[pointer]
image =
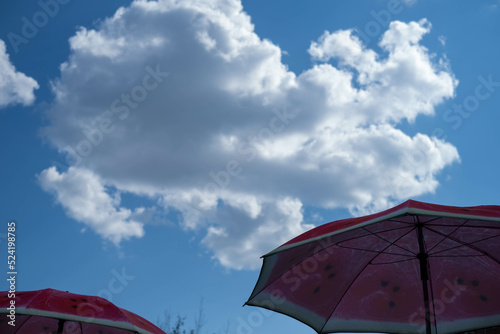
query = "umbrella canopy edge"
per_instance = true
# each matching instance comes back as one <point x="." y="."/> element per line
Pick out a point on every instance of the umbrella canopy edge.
<point x="67" y="317"/>
<point x="409" y="207"/>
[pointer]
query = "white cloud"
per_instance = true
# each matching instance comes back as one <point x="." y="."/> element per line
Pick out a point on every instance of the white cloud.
<point x="231" y="139"/>
<point x="15" y="87"/>
<point x="407" y="77"/>
<point x="442" y="40"/>
<point x="85" y="199"/>
<point x="236" y="236"/>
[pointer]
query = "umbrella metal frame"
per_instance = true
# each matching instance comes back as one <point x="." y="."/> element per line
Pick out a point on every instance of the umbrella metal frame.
<point x="409" y="208"/>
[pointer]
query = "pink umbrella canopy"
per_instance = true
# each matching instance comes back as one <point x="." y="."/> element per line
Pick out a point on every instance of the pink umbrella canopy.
<point x="415" y="268"/>
<point x="57" y="312"/>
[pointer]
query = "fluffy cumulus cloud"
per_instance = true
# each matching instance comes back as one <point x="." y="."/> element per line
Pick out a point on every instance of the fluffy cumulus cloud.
<point x="15" y="87"/>
<point x="86" y="200"/>
<point x="182" y="102"/>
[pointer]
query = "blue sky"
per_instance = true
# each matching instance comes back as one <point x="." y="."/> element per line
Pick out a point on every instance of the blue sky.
<point x="152" y="151"/>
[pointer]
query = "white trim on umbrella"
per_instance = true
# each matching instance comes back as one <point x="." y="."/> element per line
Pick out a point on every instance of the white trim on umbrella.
<point x="398" y="213"/>
<point x="68" y="317"/>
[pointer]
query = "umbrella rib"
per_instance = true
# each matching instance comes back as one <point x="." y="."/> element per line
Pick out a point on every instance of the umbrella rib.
<point x="356" y="277"/>
<point x="468" y="226"/>
<point x="393" y="220"/>
<point x="457" y="255"/>
<point x="466" y="244"/>
<point x="345" y="292"/>
<point x="411" y="223"/>
<point x="337" y="244"/>
<point x="19" y="328"/>
<point x="254" y="293"/>
<point x="388" y="230"/>
<point x="392" y="262"/>
<point x="470" y="245"/>
<point x="394" y="242"/>
<point x="445" y="237"/>
<point x="290" y="267"/>
<point x="372" y="251"/>
<point x="370" y="233"/>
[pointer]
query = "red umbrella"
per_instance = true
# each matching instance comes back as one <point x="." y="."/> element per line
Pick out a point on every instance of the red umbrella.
<point x="54" y="311"/>
<point x="414" y="268"/>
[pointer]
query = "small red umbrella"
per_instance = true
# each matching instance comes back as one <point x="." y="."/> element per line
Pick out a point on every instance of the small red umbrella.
<point x="52" y="311"/>
<point x="415" y="268"/>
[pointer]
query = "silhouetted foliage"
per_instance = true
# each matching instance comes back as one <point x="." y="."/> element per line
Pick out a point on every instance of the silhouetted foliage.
<point x="179" y="326"/>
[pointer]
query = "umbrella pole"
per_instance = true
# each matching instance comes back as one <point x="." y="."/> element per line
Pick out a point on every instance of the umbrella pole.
<point x="424" y="275"/>
<point x="427" y="310"/>
<point x="60" y="326"/>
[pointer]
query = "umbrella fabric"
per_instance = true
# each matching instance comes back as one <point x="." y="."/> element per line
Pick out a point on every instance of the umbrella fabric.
<point x="54" y="311"/>
<point x="415" y="268"/>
